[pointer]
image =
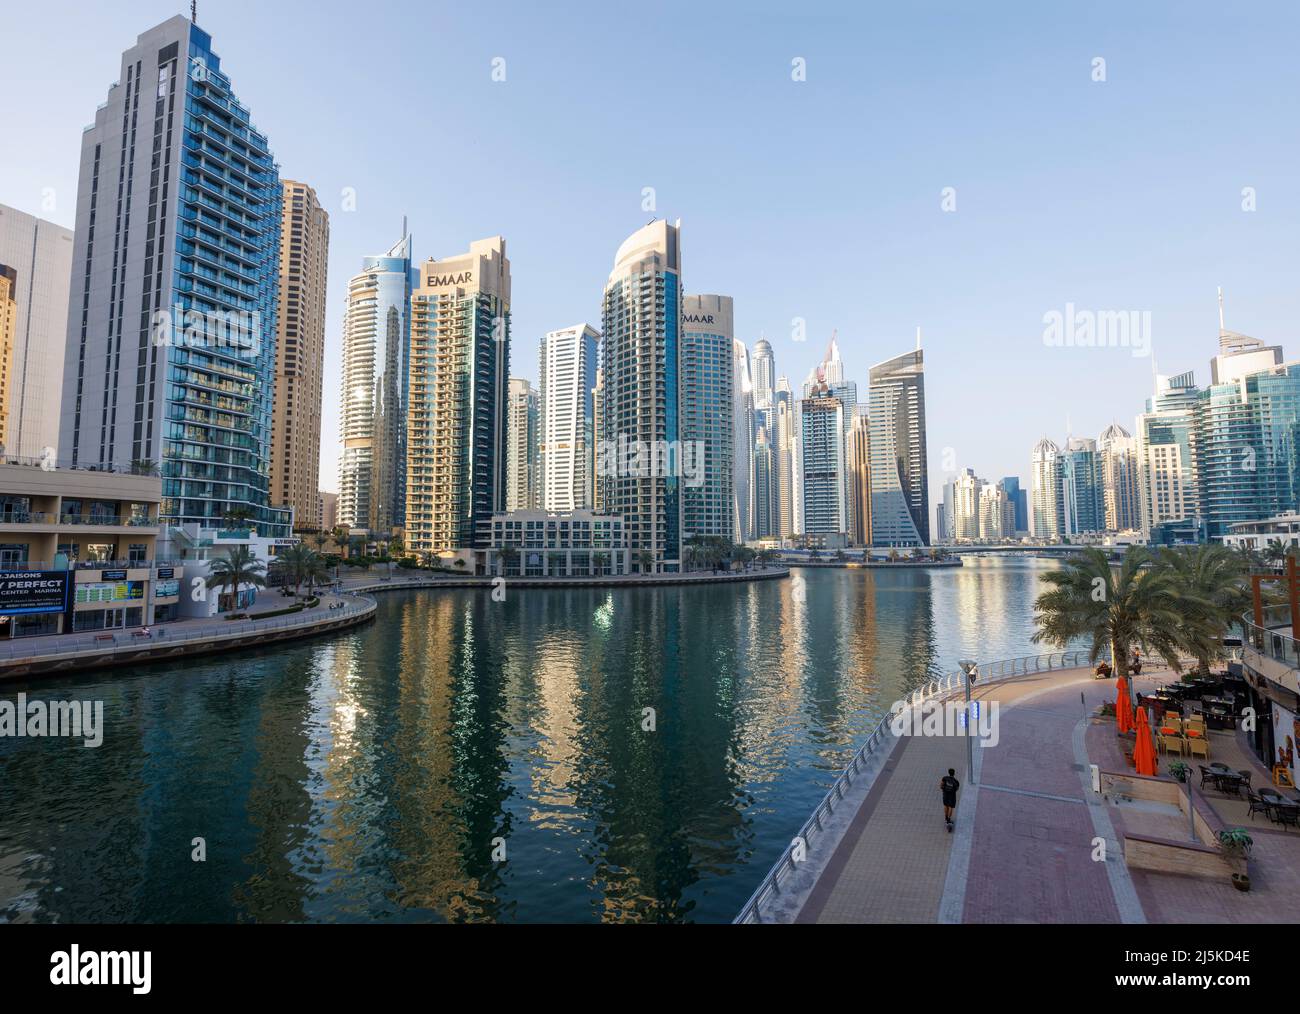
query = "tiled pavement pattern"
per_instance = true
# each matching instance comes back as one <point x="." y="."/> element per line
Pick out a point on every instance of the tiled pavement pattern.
<point x="1030" y="855"/>
<point x="1275" y="864"/>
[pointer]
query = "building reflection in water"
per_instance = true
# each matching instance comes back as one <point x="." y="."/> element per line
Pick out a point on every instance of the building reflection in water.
<point x="368" y="776"/>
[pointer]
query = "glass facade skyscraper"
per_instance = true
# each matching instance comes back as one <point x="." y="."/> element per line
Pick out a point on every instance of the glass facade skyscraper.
<point x="900" y="485"/>
<point x="1082" y="503"/>
<point x="825" y="489"/>
<point x="1248" y="448"/>
<point x="707" y="391"/>
<point x="171" y="341"/>
<point x="372" y="418"/>
<point x="641" y="317"/>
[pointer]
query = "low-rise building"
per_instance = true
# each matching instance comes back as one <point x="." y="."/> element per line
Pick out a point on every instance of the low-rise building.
<point x="79" y="552"/>
<point x="197" y="547"/>
<point x="540" y="544"/>
<point x="1257" y="535"/>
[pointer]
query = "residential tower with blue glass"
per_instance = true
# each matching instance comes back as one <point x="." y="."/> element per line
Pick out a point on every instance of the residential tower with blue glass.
<point x="707" y="391"/>
<point x="171" y="338"/>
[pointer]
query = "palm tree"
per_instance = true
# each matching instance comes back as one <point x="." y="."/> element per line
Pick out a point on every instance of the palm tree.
<point x="599" y="560"/>
<point x="1136" y="603"/>
<point x="645" y="561"/>
<point x="507" y="556"/>
<point x="314" y="570"/>
<point x="144" y="466"/>
<point x="1275" y="553"/>
<point x="1212" y="584"/>
<point x="238" y="567"/>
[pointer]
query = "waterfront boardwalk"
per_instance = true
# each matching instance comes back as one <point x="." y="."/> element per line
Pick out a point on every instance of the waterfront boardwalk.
<point x="54" y="654"/>
<point x="1022" y="849"/>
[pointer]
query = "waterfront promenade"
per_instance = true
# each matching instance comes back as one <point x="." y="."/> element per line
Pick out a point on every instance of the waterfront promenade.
<point x="1024" y="843"/>
<point x="52" y="654"/>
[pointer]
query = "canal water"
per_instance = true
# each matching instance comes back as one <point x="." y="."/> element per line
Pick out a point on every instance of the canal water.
<point x="462" y="759"/>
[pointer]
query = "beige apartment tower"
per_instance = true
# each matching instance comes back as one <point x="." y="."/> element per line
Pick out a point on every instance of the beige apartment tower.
<point x="40" y="253"/>
<point x="8" y="329"/>
<point x="457" y="419"/>
<point x="300" y="355"/>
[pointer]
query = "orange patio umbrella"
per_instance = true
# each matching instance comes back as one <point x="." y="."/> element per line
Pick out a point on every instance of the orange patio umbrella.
<point x="1144" y="751"/>
<point x="1123" y="707"/>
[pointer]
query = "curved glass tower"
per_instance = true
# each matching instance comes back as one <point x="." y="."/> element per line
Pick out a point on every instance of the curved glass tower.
<point x="900" y="489"/>
<point x="376" y="339"/>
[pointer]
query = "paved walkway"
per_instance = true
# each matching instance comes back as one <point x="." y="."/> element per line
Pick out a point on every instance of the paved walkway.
<point x="1025" y="837"/>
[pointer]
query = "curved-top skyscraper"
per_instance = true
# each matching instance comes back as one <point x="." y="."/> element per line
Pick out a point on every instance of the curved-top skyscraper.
<point x="900" y="488"/>
<point x="641" y="318"/>
<point x="372" y="420"/>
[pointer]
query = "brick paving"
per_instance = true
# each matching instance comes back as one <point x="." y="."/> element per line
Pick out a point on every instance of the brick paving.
<point x="1030" y="827"/>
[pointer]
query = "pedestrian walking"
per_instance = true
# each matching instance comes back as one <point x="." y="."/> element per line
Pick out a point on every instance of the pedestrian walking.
<point x="949" y="785"/>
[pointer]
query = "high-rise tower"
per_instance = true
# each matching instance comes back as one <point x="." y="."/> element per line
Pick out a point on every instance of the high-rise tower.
<point x="170" y="358"/>
<point x="456" y="417"/>
<point x="567" y="433"/>
<point x="640" y="407"/>
<point x="372" y="421"/>
<point x="707" y="393"/>
<point x="900" y="485"/>
<point x="300" y="355"/>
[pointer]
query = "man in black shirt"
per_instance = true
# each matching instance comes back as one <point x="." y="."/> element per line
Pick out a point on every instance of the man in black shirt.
<point x="949" y="785"/>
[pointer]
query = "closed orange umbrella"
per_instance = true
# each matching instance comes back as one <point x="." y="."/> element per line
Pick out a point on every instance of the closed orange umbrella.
<point x="1144" y="751"/>
<point x="1123" y="707"/>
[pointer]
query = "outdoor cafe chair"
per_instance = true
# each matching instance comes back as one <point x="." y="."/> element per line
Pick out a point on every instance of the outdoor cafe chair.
<point x="1198" y="747"/>
<point x="1171" y="744"/>
<point x="1258" y="804"/>
<point x="1208" y="776"/>
<point x="1287" y="814"/>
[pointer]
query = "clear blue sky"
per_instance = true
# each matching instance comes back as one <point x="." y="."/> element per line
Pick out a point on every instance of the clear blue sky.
<point x="818" y="199"/>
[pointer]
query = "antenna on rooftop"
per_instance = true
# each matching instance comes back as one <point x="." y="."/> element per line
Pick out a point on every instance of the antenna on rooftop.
<point x="918" y="337"/>
<point x="194" y="11"/>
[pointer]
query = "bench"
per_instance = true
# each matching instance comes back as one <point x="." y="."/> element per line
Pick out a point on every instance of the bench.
<point x="105" y="637"/>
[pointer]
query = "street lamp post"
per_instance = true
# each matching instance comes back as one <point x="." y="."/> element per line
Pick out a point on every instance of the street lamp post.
<point x="970" y="669"/>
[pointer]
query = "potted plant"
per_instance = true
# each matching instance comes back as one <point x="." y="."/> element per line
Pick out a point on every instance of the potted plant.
<point x="1235" y="843"/>
<point x="1179" y="771"/>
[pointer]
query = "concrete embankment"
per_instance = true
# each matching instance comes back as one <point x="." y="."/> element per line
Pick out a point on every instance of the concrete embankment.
<point x="78" y="652"/>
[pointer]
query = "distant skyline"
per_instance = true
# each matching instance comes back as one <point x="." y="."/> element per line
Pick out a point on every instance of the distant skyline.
<point x="820" y="199"/>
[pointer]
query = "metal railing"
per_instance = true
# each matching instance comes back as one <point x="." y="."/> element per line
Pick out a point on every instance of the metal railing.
<point x="1269" y="640"/>
<point x="942" y="686"/>
<point x="108" y="640"/>
<point x="128" y="564"/>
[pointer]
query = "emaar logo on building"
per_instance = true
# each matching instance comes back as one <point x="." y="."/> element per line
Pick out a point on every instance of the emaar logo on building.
<point x="697" y="318"/>
<point x="463" y="278"/>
